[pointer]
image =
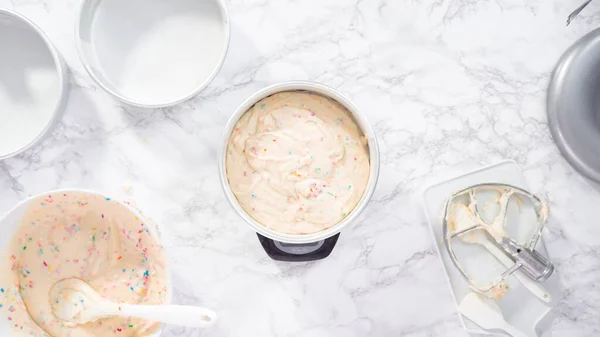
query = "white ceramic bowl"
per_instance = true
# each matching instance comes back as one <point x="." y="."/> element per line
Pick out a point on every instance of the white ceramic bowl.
<point x="9" y="223"/>
<point x="360" y="121"/>
<point x="152" y="53"/>
<point x="33" y="84"/>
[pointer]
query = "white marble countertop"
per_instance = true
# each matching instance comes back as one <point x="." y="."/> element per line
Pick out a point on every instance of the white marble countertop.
<point x="447" y="84"/>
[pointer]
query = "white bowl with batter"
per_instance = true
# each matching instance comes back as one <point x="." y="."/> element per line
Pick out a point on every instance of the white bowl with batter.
<point x="34" y="273"/>
<point x="334" y="98"/>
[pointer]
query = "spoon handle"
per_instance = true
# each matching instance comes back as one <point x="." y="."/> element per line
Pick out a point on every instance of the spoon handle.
<point x="190" y="316"/>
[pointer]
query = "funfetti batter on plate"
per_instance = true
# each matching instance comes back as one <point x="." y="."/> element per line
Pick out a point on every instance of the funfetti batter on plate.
<point x="297" y="162"/>
<point x="90" y="237"/>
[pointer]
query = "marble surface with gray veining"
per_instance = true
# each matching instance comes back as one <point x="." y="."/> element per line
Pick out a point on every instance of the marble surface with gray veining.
<point x="447" y="84"/>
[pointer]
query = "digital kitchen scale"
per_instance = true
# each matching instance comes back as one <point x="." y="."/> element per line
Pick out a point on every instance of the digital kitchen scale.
<point x="298" y="252"/>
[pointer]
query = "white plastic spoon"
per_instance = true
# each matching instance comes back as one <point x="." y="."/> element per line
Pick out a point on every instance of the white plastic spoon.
<point x="485" y="313"/>
<point x="76" y="302"/>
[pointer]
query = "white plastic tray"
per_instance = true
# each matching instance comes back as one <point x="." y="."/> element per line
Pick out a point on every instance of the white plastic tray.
<point x="520" y="308"/>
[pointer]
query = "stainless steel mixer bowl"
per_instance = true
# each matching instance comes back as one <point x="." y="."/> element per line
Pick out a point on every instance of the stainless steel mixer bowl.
<point x="358" y="118"/>
<point x="573" y="105"/>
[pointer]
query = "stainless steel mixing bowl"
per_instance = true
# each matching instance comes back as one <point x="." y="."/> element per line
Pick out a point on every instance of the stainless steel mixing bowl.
<point x="573" y="105"/>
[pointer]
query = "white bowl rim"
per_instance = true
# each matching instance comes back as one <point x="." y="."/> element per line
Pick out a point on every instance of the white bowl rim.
<point x="362" y="123"/>
<point x="61" y="71"/>
<point x="139" y="103"/>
